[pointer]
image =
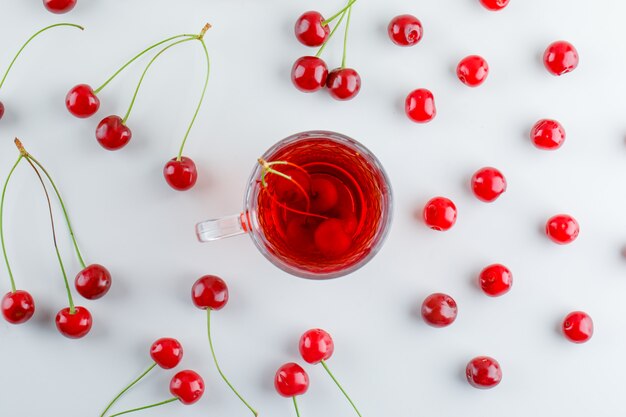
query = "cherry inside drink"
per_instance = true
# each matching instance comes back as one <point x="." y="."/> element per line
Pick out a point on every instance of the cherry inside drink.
<point x="322" y="205"/>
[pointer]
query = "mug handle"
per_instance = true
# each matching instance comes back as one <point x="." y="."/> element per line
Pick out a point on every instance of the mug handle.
<point x="216" y="229"/>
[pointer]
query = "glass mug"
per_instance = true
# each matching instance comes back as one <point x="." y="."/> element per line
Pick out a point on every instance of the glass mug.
<point x="318" y="205"/>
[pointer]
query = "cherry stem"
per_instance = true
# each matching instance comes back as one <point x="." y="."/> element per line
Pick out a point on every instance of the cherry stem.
<point x="118" y="396"/>
<point x="4" y="250"/>
<point x="145" y="407"/>
<point x="65" y="214"/>
<point x="267" y="169"/>
<point x="54" y="237"/>
<point x="336" y="15"/>
<point x="345" y="38"/>
<point x="139" y="55"/>
<point x="220" y="370"/>
<point x="332" y="32"/>
<point x="29" y="40"/>
<point x="295" y="404"/>
<point x="340" y="387"/>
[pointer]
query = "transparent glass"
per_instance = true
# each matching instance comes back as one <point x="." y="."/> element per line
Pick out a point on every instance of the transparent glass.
<point x="349" y="156"/>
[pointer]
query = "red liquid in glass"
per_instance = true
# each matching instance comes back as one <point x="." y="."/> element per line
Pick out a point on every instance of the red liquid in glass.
<point x="327" y="217"/>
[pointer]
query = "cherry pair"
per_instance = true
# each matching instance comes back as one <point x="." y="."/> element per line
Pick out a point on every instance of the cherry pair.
<point x="310" y="73"/>
<point x="59" y="6"/>
<point x="186" y="386"/>
<point x="291" y="380"/>
<point x="113" y="133"/>
<point x="92" y="282"/>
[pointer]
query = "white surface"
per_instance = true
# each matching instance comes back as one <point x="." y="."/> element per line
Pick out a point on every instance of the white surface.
<point x="389" y="360"/>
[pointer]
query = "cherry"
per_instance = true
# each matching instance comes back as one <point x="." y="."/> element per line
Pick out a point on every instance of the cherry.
<point x="488" y="184"/>
<point x="166" y="352"/>
<point x="439" y="310"/>
<point x="343" y="83"/>
<point x="82" y="102"/>
<point x="180" y="173"/>
<point x="472" y="70"/>
<point x="578" y="327"/>
<point x="547" y="134"/>
<point x="1" y="110"/>
<point x="324" y="194"/>
<point x="112" y="133"/>
<point x="483" y="372"/>
<point x="17" y="307"/>
<point x="420" y="106"/>
<point x="440" y="214"/>
<point x="93" y="282"/>
<point x="309" y="74"/>
<point x="405" y="30"/>
<point x="562" y="229"/>
<point x="310" y="29"/>
<point x="187" y="386"/>
<point x="209" y="291"/>
<point x="496" y="280"/>
<point x="74" y="325"/>
<point x="59" y="6"/>
<point x="291" y="380"/>
<point x="560" y="58"/>
<point x="494" y="5"/>
<point x="331" y="238"/>
<point x="316" y="345"/>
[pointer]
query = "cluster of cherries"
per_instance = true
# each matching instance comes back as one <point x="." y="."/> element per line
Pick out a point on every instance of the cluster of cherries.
<point x="291" y="380"/>
<point x="186" y="386"/>
<point x="59" y="6"/>
<point x="92" y="282"/>
<point x="113" y="133"/>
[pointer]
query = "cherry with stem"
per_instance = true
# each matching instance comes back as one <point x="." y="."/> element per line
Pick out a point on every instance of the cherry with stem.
<point x="19" y="52"/>
<point x="344" y="83"/>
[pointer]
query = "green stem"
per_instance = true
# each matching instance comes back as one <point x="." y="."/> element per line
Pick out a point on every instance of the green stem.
<point x="340" y="387"/>
<point x="295" y="404"/>
<point x="336" y="15"/>
<point x="218" y="366"/>
<point x="139" y="55"/>
<point x="345" y="38"/>
<point x="127" y="388"/>
<point x="29" y="40"/>
<point x="65" y="214"/>
<point x="332" y="32"/>
<point x="145" y="407"/>
<point x="54" y="237"/>
<point x="132" y="103"/>
<point x="4" y="249"/>
<point x="195" y="115"/>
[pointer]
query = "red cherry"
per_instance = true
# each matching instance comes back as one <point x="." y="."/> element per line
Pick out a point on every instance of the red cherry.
<point x="316" y="345"/>
<point x="440" y="214"/>
<point x="472" y="70"/>
<point x="547" y="134"/>
<point x="405" y="30"/>
<point x="439" y="310"/>
<point x="420" y="106"/>
<point x="496" y="280"/>
<point x="488" y="184"/>
<point x="181" y="174"/>
<point x="324" y="194"/>
<point x="560" y="58"/>
<point x="483" y="372"/>
<point x="93" y="282"/>
<point x="74" y="326"/>
<point x="578" y="327"/>
<point x="59" y="6"/>
<point x="343" y="83"/>
<point x="291" y="380"/>
<point x="562" y="229"/>
<point x="81" y="101"/>
<point x="166" y="352"/>
<point x="187" y="386"/>
<point x="309" y="29"/>
<point x="494" y="5"/>
<point x="1" y="110"/>
<point x="211" y="292"/>
<point x="17" y="307"/>
<point x="112" y="133"/>
<point x="331" y="238"/>
<point x="309" y="74"/>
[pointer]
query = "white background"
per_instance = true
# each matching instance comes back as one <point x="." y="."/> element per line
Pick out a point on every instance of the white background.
<point x="128" y="219"/>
